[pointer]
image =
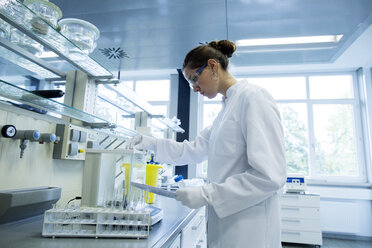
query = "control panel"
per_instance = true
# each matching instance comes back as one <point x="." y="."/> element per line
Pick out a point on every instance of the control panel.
<point x="75" y="140"/>
<point x="295" y="184"/>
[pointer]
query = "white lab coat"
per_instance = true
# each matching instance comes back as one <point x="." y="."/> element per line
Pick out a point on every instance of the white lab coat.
<point x="246" y="168"/>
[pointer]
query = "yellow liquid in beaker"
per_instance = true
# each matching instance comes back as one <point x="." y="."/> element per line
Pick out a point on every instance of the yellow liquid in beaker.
<point x="152" y="172"/>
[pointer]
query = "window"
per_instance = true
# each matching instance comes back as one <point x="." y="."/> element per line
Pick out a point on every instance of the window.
<point x="155" y="92"/>
<point x="320" y="116"/>
<point x="209" y="111"/>
<point x="295" y="126"/>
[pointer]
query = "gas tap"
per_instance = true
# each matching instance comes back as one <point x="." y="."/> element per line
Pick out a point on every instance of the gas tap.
<point x="25" y="136"/>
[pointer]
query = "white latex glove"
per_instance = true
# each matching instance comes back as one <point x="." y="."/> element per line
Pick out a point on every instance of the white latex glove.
<point x="142" y="142"/>
<point x="194" y="197"/>
<point x="133" y="141"/>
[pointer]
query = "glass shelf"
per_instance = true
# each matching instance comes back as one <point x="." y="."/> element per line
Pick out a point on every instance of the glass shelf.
<point x="174" y="125"/>
<point x="15" y="93"/>
<point x="132" y="97"/>
<point x="19" y="16"/>
<point x="135" y="99"/>
<point x="15" y="58"/>
<point x="124" y="131"/>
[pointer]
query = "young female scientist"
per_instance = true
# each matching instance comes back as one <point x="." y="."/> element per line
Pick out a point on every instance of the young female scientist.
<point x="245" y="152"/>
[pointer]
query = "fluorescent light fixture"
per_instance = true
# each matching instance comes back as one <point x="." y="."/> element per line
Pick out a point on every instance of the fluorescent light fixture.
<point x="290" y="40"/>
<point x="48" y="54"/>
<point x="284" y="49"/>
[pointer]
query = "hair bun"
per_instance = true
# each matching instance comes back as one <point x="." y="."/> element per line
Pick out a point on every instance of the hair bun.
<point x="226" y="47"/>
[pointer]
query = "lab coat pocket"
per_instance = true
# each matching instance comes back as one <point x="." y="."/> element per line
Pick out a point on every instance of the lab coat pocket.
<point x="227" y="138"/>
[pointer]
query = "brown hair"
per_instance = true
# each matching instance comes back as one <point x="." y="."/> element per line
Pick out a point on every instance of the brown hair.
<point x="218" y="50"/>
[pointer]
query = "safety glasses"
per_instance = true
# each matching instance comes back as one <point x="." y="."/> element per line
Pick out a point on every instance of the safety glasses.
<point x="193" y="81"/>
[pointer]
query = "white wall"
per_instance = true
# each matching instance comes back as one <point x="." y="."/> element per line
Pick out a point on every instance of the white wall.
<point x="37" y="167"/>
<point x="345" y="210"/>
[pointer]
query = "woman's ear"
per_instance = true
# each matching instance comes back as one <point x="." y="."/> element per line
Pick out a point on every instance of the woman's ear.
<point x="214" y="69"/>
<point x="213" y="64"/>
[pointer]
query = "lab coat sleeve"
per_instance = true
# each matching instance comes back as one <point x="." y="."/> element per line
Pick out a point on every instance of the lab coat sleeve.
<point x="266" y="169"/>
<point x="186" y="152"/>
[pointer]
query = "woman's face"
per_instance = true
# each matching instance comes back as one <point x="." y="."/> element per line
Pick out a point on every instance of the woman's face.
<point x="200" y="80"/>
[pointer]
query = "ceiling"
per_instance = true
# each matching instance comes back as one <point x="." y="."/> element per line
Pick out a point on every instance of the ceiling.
<point x="156" y="34"/>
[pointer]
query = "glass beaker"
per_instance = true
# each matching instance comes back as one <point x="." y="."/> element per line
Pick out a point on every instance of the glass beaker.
<point x="135" y="171"/>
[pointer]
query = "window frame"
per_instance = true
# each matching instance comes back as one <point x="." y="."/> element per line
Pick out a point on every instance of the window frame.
<point x="359" y="129"/>
<point x="155" y="103"/>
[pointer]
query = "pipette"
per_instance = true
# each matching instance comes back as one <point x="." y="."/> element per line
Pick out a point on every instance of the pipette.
<point x="154" y="190"/>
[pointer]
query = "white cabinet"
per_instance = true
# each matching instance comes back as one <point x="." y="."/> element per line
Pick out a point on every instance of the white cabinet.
<point x="300" y="219"/>
<point x="194" y="234"/>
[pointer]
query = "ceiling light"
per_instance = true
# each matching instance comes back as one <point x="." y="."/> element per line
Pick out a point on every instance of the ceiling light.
<point x="290" y="40"/>
<point x="284" y="49"/>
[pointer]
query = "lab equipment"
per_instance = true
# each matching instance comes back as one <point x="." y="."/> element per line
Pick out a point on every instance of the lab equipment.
<point x="98" y="178"/>
<point x="47" y="11"/>
<point x="82" y="33"/>
<point x="32" y="135"/>
<point x="25" y="136"/>
<point x="22" y="40"/>
<point x="25" y="42"/>
<point x="156" y="214"/>
<point x="155" y="190"/>
<point x="179" y="180"/>
<point x="152" y="173"/>
<point x="73" y="141"/>
<point x="76" y="221"/>
<point x="295" y="184"/>
<point x="8" y="131"/>
<point x="23" y="203"/>
<point x="104" y="184"/>
<point x="49" y="93"/>
<point x="107" y="208"/>
<point x="47" y="138"/>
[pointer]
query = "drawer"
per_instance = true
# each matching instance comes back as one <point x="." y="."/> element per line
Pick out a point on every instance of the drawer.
<point x="298" y="200"/>
<point x="314" y="238"/>
<point x="191" y="233"/>
<point x="301" y="224"/>
<point x="299" y="212"/>
<point x="202" y="239"/>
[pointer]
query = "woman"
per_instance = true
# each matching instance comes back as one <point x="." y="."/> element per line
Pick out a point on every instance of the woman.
<point x="245" y="152"/>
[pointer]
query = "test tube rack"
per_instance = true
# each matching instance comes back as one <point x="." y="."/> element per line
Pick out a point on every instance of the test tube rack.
<point x="96" y="222"/>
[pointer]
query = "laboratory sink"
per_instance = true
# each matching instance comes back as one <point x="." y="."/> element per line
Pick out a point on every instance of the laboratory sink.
<point x="23" y="203"/>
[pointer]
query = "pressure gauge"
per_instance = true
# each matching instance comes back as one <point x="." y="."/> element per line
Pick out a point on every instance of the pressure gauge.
<point x="8" y="131"/>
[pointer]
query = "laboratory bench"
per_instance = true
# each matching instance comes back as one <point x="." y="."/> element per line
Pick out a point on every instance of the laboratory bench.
<point x="27" y="233"/>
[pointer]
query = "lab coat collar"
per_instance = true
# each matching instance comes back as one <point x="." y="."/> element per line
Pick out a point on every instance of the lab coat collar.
<point x="230" y="91"/>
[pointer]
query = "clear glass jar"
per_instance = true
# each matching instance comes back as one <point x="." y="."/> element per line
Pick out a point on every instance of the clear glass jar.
<point x="82" y="33"/>
<point x="25" y="42"/>
<point x="46" y="10"/>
